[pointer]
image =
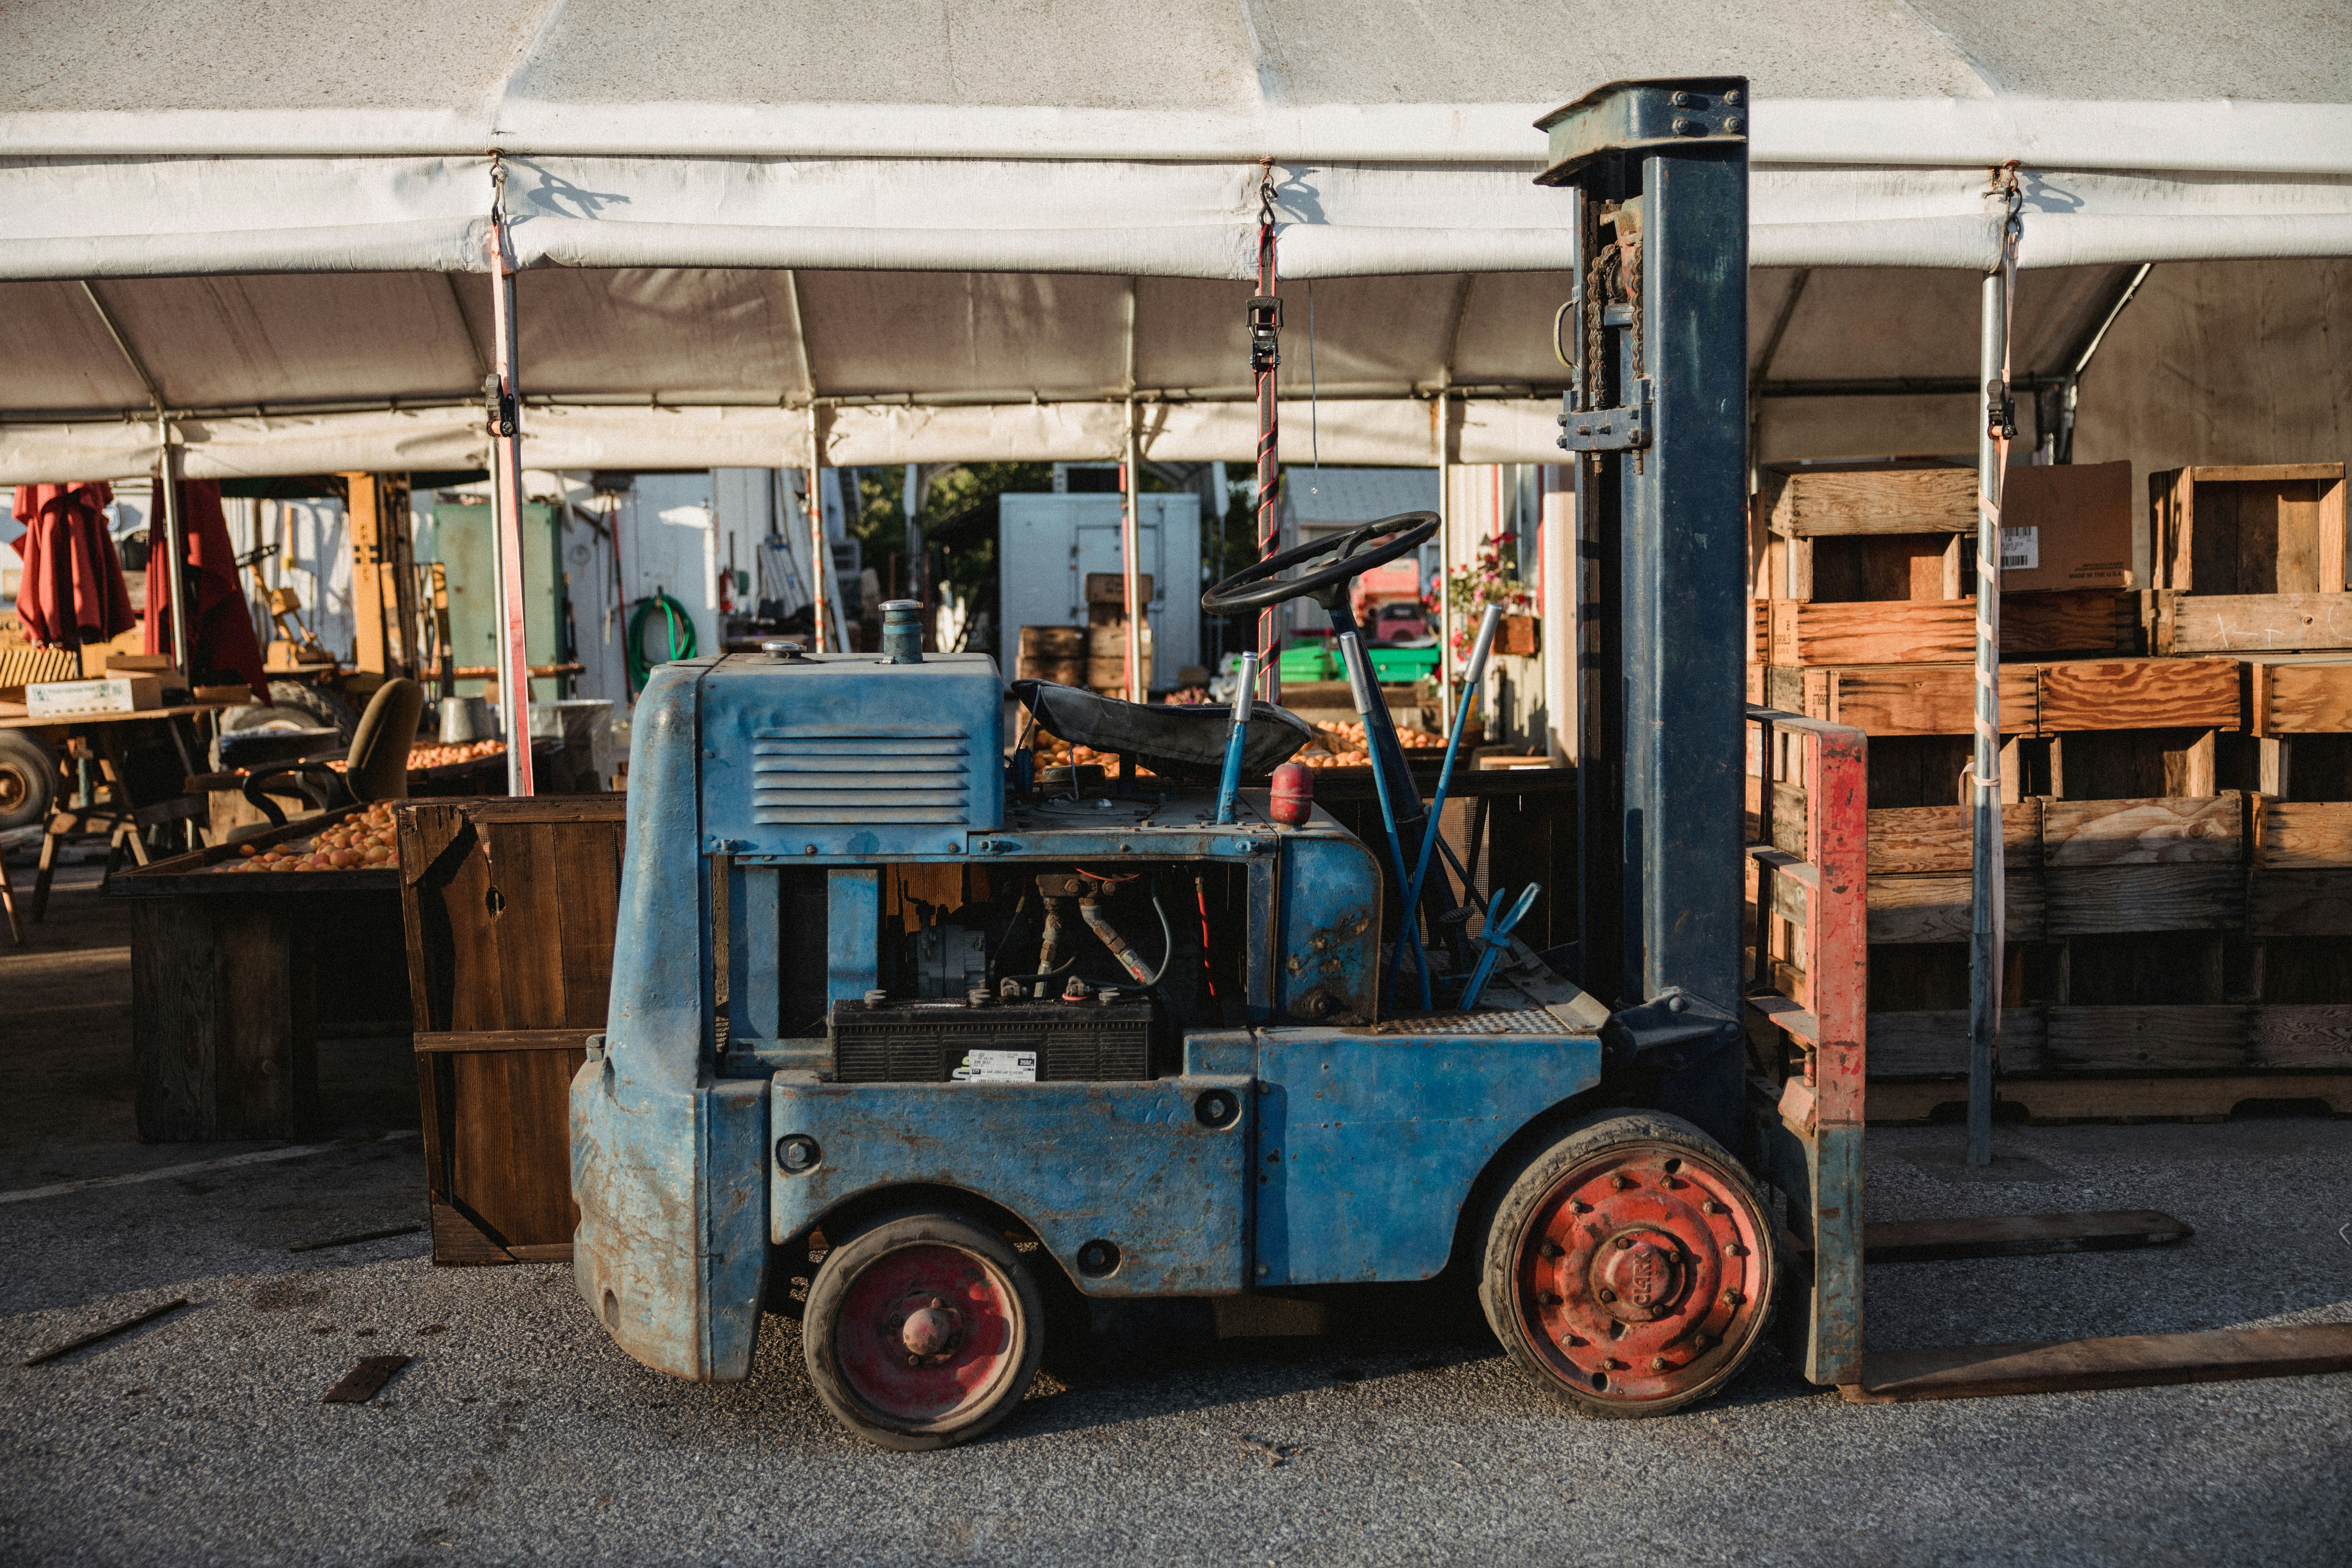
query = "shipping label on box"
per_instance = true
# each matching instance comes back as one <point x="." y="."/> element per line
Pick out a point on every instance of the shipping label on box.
<point x="2067" y="525"/>
<point x="115" y="694"/>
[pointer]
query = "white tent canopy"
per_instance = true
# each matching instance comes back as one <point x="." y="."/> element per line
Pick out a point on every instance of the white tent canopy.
<point x="970" y="229"/>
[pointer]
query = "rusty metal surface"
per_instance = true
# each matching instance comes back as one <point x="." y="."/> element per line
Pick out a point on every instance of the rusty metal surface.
<point x="1369" y="1146"/>
<point x="1155" y="1169"/>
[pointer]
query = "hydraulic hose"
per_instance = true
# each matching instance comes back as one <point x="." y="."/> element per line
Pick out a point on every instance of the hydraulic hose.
<point x="679" y="624"/>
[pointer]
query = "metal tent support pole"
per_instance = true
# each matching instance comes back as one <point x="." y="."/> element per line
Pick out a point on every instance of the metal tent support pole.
<point x="1130" y="536"/>
<point x="1265" y="356"/>
<point x="1988" y="895"/>
<point x="176" y="549"/>
<point x="506" y="464"/>
<point x="1444" y="412"/>
<point x="820" y="555"/>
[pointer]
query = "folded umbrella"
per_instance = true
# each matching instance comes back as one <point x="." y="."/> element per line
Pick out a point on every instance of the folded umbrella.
<point x="71" y="593"/>
<point x="221" y="645"/>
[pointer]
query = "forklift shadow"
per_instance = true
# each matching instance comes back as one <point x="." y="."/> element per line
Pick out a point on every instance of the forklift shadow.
<point x="1118" y="1362"/>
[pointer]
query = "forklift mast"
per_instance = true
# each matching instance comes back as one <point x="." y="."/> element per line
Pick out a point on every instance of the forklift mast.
<point x="1655" y="339"/>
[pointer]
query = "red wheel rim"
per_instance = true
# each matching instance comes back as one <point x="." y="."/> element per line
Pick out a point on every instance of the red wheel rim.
<point x="1641" y="1274"/>
<point x="926" y="1332"/>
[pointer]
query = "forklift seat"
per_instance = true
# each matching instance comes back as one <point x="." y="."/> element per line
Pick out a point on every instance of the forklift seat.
<point x="1174" y="741"/>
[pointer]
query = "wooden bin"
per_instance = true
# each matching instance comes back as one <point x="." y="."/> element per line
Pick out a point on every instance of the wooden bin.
<point x="509" y="908"/>
<point x="227" y="1008"/>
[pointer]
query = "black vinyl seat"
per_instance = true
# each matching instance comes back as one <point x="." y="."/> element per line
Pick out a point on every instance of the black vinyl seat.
<point x="1174" y="741"/>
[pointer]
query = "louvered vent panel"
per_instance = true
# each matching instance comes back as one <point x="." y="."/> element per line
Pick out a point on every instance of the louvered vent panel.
<point x="882" y="779"/>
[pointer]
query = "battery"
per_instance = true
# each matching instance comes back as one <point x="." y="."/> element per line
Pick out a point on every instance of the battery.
<point x="926" y="1042"/>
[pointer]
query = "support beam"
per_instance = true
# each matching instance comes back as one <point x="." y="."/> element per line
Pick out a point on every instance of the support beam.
<point x="1130" y="524"/>
<point x="506" y="472"/>
<point x="174" y="547"/>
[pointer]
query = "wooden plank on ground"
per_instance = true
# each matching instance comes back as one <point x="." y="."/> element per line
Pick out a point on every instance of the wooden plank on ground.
<point x="2176" y="830"/>
<point x="2302" y="834"/>
<point x="2251" y="623"/>
<point x="1935" y="1043"/>
<point x="2017" y="1236"/>
<point x="2093" y="900"/>
<point x="1935" y="908"/>
<point x="507" y="1040"/>
<point x="1921" y="838"/>
<point x="2125" y="1360"/>
<point x="2052" y="1099"/>
<point x="2294" y="698"/>
<point x="2140" y="694"/>
<point x="1902" y="501"/>
<point x="365" y="1381"/>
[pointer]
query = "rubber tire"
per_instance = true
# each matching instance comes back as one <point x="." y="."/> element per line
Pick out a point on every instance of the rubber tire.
<point x="296" y="706"/>
<point x="868" y="1244"/>
<point x="29" y="779"/>
<point x="1514" y="1199"/>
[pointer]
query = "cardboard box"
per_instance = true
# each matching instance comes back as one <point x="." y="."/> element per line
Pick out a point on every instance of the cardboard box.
<point x="140" y="664"/>
<point x="114" y="694"/>
<point x="2067" y="525"/>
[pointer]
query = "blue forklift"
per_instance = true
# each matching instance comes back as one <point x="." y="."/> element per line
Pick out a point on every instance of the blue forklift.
<point x="976" y="1040"/>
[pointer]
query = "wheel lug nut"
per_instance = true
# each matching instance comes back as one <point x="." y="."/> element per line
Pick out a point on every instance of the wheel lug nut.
<point x="1710" y="1207"/>
<point x="936" y="1302"/>
<point x="1657" y="1364"/>
<point x="1546" y="1299"/>
<point x="1548" y="1248"/>
<point x="1733" y="1297"/>
<point x="1734" y="1249"/>
<point x="1606" y="1294"/>
<point x="1623" y="1242"/>
<point x="1619" y="1182"/>
<point x="1703" y="1341"/>
<point x="1578" y="1206"/>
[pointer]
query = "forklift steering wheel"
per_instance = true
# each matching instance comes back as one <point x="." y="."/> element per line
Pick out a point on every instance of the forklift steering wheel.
<point x="1258" y="588"/>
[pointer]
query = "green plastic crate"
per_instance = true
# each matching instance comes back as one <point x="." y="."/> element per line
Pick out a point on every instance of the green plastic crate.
<point x="1391" y="665"/>
<point x="1310" y="663"/>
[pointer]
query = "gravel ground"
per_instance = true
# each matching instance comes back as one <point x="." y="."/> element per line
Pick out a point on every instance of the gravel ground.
<point x="519" y="1434"/>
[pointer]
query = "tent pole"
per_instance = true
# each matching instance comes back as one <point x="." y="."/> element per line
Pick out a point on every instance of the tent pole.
<point x="1265" y="355"/>
<point x="175" y="552"/>
<point x="820" y="557"/>
<point x="1988" y="891"/>
<point x="1445" y="412"/>
<point x="1131" y="549"/>
<point x="506" y="454"/>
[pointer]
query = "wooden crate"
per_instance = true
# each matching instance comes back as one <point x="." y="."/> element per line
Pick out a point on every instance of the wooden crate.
<point x="2270" y="530"/>
<point x="2090" y="620"/>
<point x="2178" y="623"/>
<point x="509" y="908"/>
<point x="227" y="1005"/>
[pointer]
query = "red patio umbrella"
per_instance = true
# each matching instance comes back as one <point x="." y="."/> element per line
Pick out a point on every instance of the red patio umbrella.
<point x="72" y="590"/>
<point x="221" y="646"/>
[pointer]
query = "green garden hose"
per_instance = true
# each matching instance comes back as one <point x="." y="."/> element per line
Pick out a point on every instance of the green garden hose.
<point x="680" y="625"/>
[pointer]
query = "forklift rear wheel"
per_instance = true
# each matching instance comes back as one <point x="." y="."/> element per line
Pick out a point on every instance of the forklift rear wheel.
<point x="922" y="1330"/>
<point x="1629" y="1266"/>
<point x="28" y="780"/>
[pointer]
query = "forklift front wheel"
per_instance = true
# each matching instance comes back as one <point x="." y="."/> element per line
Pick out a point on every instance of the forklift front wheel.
<point x="1629" y="1266"/>
<point x="922" y="1329"/>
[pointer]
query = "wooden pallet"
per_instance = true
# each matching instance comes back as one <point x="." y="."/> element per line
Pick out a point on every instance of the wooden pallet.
<point x="2048" y="1100"/>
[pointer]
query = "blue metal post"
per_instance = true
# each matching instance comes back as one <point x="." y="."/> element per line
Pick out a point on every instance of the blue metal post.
<point x="1367" y="694"/>
<point x="1486" y="625"/>
<point x="1230" y="782"/>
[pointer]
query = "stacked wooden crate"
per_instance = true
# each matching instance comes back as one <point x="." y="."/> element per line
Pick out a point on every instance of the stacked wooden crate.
<point x="2178" y="933"/>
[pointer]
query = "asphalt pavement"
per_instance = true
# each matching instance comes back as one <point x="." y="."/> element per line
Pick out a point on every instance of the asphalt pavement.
<point x="519" y="1434"/>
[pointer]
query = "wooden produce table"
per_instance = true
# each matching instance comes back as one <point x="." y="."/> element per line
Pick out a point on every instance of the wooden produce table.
<point x="509" y="908"/>
<point x="227" y="1001"/>
<point x="138" y="802"/>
